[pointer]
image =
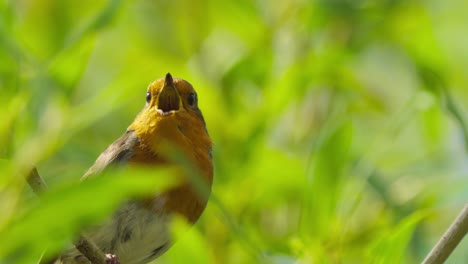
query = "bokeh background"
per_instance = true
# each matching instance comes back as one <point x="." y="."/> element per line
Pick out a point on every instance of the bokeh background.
<point x="338" y="126"/>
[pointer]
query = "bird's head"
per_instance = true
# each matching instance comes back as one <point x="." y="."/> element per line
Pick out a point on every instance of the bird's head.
<point x="172" y="96"/>
<point x="170" y="103"/>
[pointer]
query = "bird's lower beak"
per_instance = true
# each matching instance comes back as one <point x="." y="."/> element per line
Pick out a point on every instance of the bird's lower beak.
<point x="168" y="99"/>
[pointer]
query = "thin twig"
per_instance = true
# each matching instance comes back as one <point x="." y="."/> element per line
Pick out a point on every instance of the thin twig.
<point x="459" y="228"/>
<point x="449" y="240"/>
<point x="36" y="182"/>
<point x="83" y="244"/>
<point x="90" y="250"/>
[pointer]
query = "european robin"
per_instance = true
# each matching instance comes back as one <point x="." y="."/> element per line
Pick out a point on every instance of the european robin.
<point x="138" y="231"/>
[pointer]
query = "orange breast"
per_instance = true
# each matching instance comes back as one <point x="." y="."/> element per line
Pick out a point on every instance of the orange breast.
<point x="155" y="144"/>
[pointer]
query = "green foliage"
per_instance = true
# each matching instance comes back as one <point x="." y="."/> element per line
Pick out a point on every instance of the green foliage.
<point x="66" y="209"/>
<point x="391" y="247"/>
<point x="337" y="125"/>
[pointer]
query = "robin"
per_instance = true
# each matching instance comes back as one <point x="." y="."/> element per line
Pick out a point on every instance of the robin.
<point x="138" y="231"/>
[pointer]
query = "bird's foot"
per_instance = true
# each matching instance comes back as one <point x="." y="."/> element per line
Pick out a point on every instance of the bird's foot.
<point x="111" y="259"/>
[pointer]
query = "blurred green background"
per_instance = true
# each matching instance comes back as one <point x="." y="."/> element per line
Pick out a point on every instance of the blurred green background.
<point x="338" y="125"/>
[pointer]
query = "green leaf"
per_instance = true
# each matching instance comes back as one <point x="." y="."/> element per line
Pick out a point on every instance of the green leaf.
<point x="392" y="244"/>
<point x="65" y="210"/>
<point x="326" y="178"/>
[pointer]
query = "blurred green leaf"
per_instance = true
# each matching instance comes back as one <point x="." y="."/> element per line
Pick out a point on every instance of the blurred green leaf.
<point x="190" y="245"/>
<point x="65" y="210"/>
<point x="326" y="178"/>
<point x="391" y="246"/>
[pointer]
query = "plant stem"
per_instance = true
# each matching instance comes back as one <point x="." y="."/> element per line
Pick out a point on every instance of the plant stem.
<point x="447" y="243"/>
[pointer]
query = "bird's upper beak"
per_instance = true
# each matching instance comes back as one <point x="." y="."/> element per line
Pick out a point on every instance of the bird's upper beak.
<point x="168" y="99"/>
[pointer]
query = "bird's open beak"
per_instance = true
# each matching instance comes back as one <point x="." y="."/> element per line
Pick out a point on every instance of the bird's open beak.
<point x="168" y="99"/>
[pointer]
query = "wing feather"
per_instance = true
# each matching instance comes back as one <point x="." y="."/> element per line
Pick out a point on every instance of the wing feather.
<point x="118" y="152"/>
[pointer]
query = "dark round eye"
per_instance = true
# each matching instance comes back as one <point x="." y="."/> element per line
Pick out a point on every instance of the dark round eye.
<point x="192" y="99"/>
<point x="148" y="97"/>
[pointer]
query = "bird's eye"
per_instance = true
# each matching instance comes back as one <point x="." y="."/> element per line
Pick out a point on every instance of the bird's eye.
<point x="148" y="97"/>
<point x="192" y="99"/>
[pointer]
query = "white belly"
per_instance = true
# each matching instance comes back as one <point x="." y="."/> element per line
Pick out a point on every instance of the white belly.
<point x="134" y="233"/>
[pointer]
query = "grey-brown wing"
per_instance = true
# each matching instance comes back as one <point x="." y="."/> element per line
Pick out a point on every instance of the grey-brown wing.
<point x="118" y="152"/>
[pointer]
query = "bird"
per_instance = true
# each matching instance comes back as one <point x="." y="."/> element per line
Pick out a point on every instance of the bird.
<point x="138" y="231"/>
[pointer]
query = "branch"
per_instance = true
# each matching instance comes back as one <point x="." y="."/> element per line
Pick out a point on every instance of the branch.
<point x="83" y="244"/>
<point x="36" y="182"/>
<point x="449" y="241"/>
